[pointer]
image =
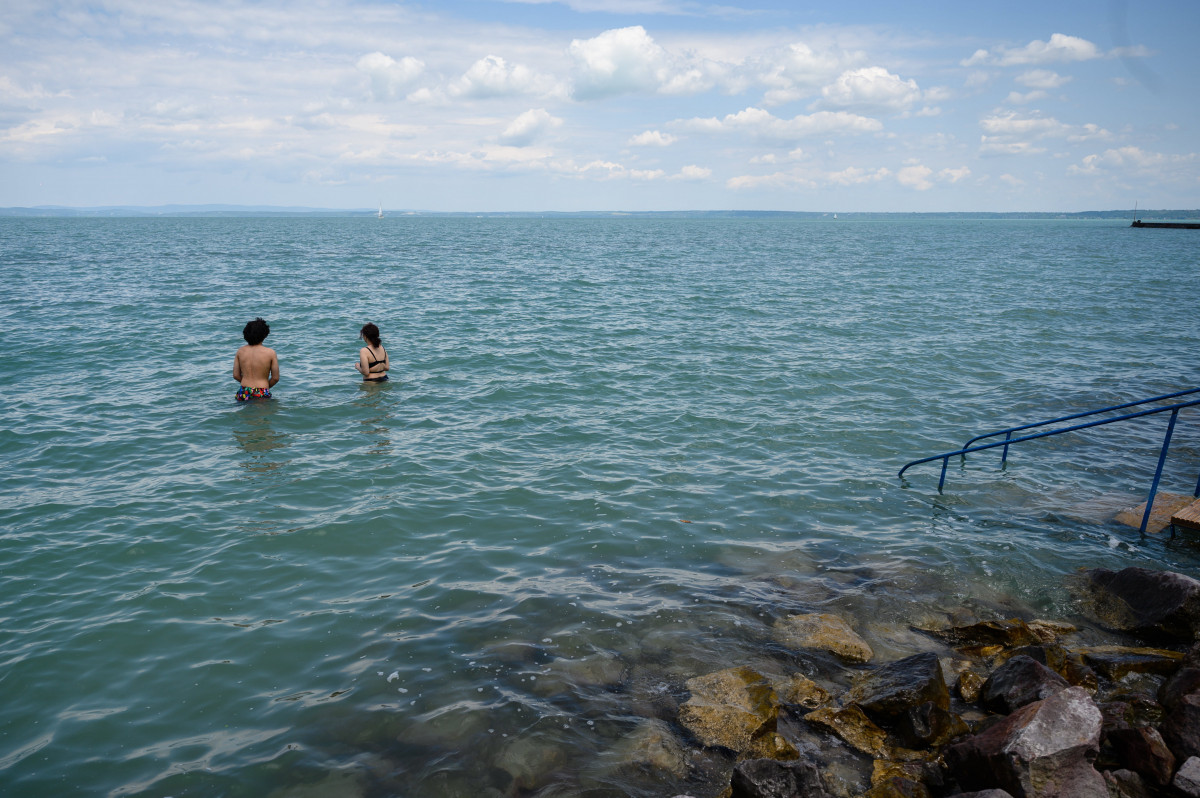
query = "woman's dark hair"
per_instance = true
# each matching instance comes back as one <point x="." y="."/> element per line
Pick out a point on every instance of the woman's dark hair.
<point x="371" y="333"/>
<point x="255" y="331"/>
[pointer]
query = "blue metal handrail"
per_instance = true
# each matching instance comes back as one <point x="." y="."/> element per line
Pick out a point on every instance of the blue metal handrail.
<point x="1162" y="456"/>
<point x="1007" y="433"/>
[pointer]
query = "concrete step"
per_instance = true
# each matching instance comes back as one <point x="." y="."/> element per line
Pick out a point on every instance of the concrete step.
<point x="1166" y="505"/>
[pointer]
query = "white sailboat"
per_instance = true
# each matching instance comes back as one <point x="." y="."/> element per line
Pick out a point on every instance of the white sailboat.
<point x="380" y="214"/>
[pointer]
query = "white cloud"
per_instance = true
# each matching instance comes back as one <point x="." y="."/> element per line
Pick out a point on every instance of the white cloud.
<point x="1012" y="180"/>
<point x="1042" y="79"/>
<point x="762" y="124"/>
<point x="1135" y="160"/>
<point x="389" y="76"/>
<point x="915" y="176"/>
<point x="1060" y="48"/>
<point x="618" y="62"/>
<point x="693" y="172"/>
<point x="652" y="138"/>
<point x="870" y="90"/>
<point x="954" y="175"/>
<point x="492" y="76"/>
<point x="991" y="145"/>
<point x="798" y="71"/>
<point x="1010" y="133"/>
<point x="528" y="127"/>
<point x="1016" y="98"/>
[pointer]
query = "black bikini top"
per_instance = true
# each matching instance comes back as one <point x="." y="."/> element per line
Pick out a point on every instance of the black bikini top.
<point x="374" y="363"/>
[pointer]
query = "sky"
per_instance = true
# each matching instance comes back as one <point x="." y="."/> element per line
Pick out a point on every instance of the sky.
<point x="595" y="105"/>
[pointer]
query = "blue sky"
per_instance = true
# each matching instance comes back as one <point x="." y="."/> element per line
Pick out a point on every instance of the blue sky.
<point x="566" y="105"/>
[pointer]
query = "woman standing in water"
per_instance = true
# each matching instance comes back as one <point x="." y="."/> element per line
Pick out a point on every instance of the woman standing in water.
<point x="372" y="358"/>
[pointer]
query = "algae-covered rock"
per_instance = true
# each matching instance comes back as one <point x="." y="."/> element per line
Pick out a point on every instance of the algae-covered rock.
<point x="802" y="691"/>
<point x="1006" y="634"/>
<point x="853" y="726"/>
<point x="825" y="632"/>
<point x="728" y="708"/>
<point x="1115" y="662"/>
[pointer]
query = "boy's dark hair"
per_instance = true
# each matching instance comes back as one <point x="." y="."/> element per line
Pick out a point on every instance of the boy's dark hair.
<point x="255" y="332"/>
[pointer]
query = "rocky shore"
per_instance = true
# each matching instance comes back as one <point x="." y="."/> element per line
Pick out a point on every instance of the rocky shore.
<point x="1008" y="707"/>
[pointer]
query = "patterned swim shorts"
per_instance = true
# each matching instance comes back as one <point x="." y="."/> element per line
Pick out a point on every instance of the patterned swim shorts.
<point x="245" y="394"/>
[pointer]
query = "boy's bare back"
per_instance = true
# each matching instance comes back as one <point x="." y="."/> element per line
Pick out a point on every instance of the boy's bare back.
<point x="256" y="366"/>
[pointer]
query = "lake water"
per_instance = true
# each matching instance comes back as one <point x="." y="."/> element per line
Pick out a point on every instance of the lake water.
<point x="612" y="452"/>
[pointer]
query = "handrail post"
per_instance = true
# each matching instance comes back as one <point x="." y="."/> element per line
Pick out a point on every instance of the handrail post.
<point x="942" y="481"/>
<point x="1004" y="455"/>
<point x="1162" y="457"/>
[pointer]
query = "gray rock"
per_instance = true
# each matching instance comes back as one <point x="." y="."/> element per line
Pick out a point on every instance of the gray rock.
<point x="1125" y="784"/>
<point x="1187" y="780"/>
<point x="1020" y="681"/>
<point x="984" y="794"/>
<point x="768" y="778"/>
<point x="1153" y="604"/>
<point x="1041" y="750"/>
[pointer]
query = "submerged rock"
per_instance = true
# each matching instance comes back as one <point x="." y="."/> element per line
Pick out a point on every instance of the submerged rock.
<point x="530" y="761"/>
<point x="1042" y="749"/>
<point x="1156" y="604"/>
<point x="651" y="747"/>
<point x="729" y="708"/>
<point x="826" y="632"/>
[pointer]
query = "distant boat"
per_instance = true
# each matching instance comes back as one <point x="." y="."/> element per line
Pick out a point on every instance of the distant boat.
<point x="380" y="214"/>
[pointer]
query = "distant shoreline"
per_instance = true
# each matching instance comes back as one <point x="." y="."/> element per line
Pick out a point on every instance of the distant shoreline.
<point x="220" y="211"/>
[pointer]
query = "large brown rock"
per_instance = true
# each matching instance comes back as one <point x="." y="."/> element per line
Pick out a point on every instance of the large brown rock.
<point x="729" y="708"/>
<point x="1019" y="681"/>
<point x="1153" y="604"/>
<point x="826" y="632"/>
<point x="1042" y="750"/>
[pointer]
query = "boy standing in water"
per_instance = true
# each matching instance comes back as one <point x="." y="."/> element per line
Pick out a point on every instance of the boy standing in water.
<point x="255" y="366"/>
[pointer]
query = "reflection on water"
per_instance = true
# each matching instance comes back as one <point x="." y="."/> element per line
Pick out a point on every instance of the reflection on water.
<point x="376" y="418"/>
<point x="258" y="439"/>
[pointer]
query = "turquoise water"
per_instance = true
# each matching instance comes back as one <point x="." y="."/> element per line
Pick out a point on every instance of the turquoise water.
<point x="617" y="448"/>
